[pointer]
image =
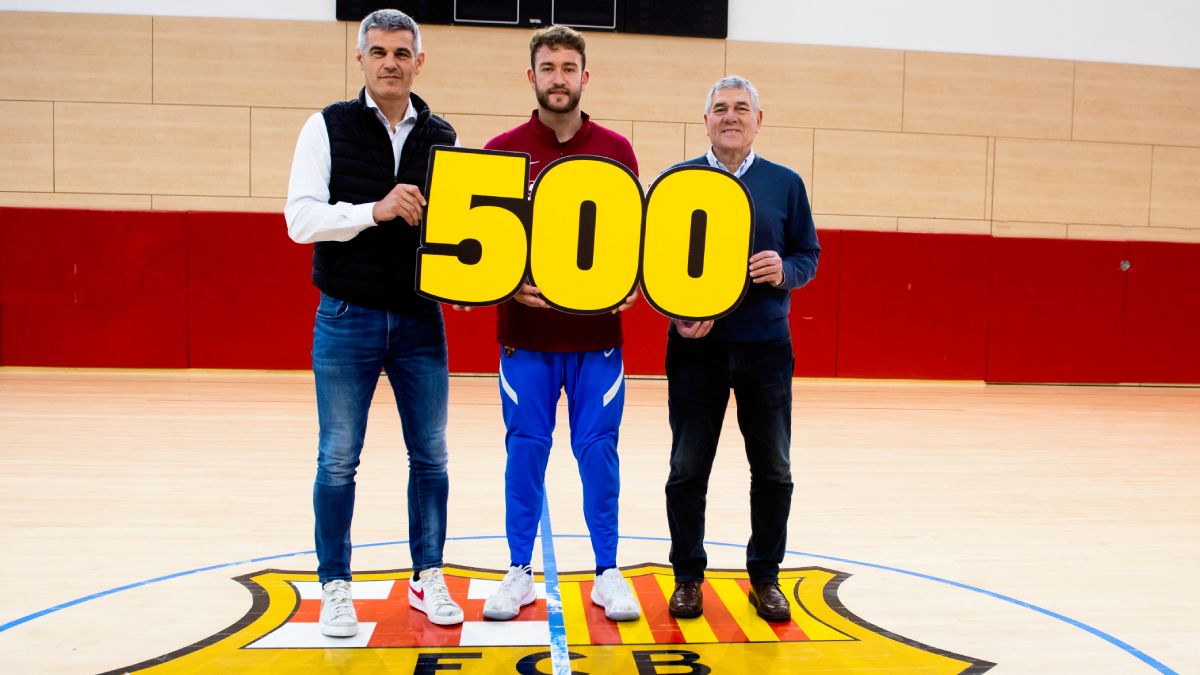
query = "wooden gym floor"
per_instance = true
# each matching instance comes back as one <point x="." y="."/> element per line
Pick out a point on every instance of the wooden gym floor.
<point x="1043" y="529"/>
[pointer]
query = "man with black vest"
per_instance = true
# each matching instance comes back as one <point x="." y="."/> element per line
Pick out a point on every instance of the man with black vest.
<point x="356" y="187"/>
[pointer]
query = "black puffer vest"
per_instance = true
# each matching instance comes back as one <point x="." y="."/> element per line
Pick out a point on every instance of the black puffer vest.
<point x="376" y="268"/>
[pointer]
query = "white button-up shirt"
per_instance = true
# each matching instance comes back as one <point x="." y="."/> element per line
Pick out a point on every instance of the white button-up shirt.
<point x="743" y="168"/>
<point x="310" y="217"/>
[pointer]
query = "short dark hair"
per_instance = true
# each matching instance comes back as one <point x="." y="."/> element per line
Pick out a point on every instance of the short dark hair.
<point x="557" y="37"/>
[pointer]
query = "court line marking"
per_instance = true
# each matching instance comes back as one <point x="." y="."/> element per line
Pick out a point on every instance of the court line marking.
<point x="1114" y="641"/>
<point x="560" y="656"/>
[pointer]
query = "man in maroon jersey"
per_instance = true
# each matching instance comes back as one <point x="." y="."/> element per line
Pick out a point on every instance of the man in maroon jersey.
<point x="545" y="351"/>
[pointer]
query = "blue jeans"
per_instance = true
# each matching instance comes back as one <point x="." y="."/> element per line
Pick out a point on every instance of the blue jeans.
<point x="700" y="374"/>
<point x="351" y="345"/>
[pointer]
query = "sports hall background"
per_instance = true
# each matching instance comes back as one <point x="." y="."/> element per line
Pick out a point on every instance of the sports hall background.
<point x="1003" y="218"/>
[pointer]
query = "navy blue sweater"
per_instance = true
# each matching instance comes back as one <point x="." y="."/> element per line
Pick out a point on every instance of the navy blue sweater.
<point x="782" y="222"/>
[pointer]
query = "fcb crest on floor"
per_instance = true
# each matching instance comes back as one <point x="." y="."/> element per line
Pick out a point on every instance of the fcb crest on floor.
<point x="281" y="634"/>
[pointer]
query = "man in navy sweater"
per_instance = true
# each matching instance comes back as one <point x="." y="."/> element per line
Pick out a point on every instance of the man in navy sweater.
<point x="748" y="351"/>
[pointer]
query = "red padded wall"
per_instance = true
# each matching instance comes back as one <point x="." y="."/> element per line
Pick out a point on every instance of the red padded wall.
<point x="913" y="305"/>
<point x="1162" y="313"/>
<point x="230" y="290"/>
<point x="814" y="315"/>
<point x="471" y="338"/>
<point x="252" y="301"/>
<point x="93" y="288"/>
<point x="1056" y="311"/>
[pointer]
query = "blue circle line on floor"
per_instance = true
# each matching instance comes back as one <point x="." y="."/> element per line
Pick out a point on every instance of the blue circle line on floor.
<point x="1116" y="642"/>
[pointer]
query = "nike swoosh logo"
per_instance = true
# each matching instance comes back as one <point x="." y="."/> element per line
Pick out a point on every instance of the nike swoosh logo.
<point x="534" y="161"/>
<point x="420" y="594"/>
<point x="609" y="353"/>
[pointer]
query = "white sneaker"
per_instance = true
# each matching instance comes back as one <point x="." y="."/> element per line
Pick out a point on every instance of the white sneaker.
<point x="337" y="610"/>
<point x="430" y="595"/>
<point x="613" y="593"/>
<point x="515" y="592"/>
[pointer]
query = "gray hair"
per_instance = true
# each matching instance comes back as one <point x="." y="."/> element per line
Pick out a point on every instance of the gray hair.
<point x="732" y="82"/>
<point x="389" y="20"/>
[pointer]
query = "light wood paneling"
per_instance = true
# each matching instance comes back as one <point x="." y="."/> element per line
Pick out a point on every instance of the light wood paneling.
<point x="1012" y="228"/>
<point x="1137" y="104"/>
<point x="871" y="223"/>
<point x="235" y="204"/>
<point x="623" y="127"/>
<point x="991" y="178"/>
<point x="651" y="78"/>
<point x="1072" y="182"/>
<point x="822" y="87"/>
<point x="75" y="57"/>
<point x="247" y="62"/>
<point x="695" y="140"/>
<point x="987" y="95"/>
<point x="658" y="146"/>
<point x="893" y="174"/>
<point x="944" y="226"/>
<point x="152" y="149"/>
<point x="1175" y="195"/>
<point x="273" y="133"/>
<point x="1123" y="233"/>
<point x="26" y="146"/>
<point x="72" y="200"/>
<point x="467" y="70"/>
<point x="476" y="130"/>
<point x="789" y="146"/>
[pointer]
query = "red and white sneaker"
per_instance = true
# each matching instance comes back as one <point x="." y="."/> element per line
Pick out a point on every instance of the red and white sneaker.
<point x="430" y="595"/>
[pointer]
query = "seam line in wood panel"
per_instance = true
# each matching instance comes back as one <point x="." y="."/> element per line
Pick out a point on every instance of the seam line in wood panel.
<point x="1074" y="90"/>
<point x="1150" y="199"/>
<point x="53" y="148"/>
<point x="903" y="85"/>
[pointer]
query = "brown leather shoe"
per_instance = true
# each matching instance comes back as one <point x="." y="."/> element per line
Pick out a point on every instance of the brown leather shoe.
<point x="687" y="602"/>
<point x="772" y="604"/>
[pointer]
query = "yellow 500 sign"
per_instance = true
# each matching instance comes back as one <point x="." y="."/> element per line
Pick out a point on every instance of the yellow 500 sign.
<point x="585" y="236"/>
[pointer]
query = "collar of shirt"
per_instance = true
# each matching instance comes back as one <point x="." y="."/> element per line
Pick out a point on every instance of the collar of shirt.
<point x="716" y="164"/>
<point x="550" y="136"/>
<point x="409" y="119"/>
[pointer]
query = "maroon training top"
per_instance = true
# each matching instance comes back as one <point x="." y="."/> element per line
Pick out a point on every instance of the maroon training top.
<point x="550" y="330"/>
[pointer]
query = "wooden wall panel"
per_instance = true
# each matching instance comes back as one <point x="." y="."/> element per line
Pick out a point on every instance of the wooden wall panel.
<point x="1175" y="194"/>
<point x="869" y="223"/>
<point x="1027" y="230"/>
<point x="476" y="130"/>
<point x="75" y="57"/>
<point x="987" y="95"/>
<point x="152" y="149"/>
<point x="658" y="146"/>
<point x="248" y="62"/>
<point x="231" y="204"/>
<point x="945" y="226"/>
<point x="26" y="146"/>
<point x="1072" y="182"/>
<point x="467" y="70"/>
<point x="273" y="133"/>
<point x="892" y="174"/>
<point x="74" y="200"/>
<point x="1137" y="104"/>
<point x="651" y="78"/>
<point x="821" y="87"/>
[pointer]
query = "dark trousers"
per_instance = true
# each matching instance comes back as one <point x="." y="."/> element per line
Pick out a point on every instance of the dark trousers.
<point x="700" y="375"/>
